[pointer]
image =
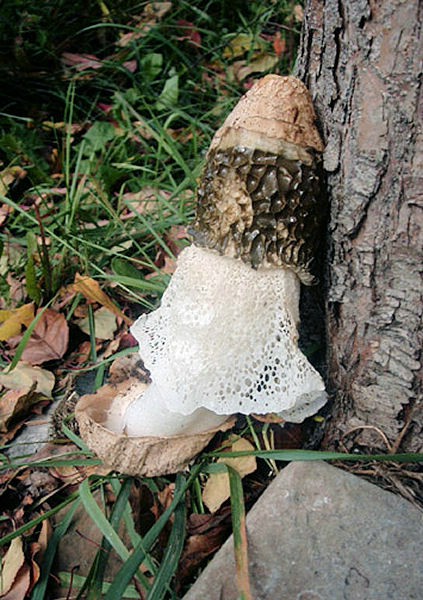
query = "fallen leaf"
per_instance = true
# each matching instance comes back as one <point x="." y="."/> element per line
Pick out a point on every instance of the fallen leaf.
<point x="217" y="488"/>
<point x="24" y="376"/>
<point x="104" y="322"/>
<point x="165" y="263"/>
<point x="79" y="356"/>
<point x="5" y="211"/>
<point x="8" y="176"/>
<point x="49" y="340"/>
<point x="239" y="45"/>
<point x="263" y="62"/>
<point x="149" y="200"/>
<point x="205" y="535"/>
<point x="15" y="405"/>
<point x="279" y="44"/>
<point x="81" y="62"/>
<point x="91" y="290"/>
<point x="13" y="320"/>
<point x="130" y="65"/>
<point x="153" y="12"/>
<point x="268" y="418"/>
<point x="190" y="33"/>
<point x="11" y="565"/>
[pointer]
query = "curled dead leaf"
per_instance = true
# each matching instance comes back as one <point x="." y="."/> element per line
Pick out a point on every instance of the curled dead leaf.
<point x="15" y="406"/>
<point x="217" y="488"/>
<point x="91" y="290"/>
<point x="8" y="176"/>
<point x="15" y="580"/>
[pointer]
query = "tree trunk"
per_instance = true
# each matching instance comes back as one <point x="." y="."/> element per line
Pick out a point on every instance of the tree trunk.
<point x="361" y="62"/>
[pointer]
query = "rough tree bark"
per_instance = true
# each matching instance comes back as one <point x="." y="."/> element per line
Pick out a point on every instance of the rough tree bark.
<point x="361" y="61"/>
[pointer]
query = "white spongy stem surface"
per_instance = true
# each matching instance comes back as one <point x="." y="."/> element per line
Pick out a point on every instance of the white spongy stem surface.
<point x="225" y="339"/>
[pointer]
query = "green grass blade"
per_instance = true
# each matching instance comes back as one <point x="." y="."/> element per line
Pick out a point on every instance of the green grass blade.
<point x="137" y="557"/>
<point x="77" y="583"/>
<point x="94" y="580"/>
<point x="134" y="536"/>
<point x="34" y="522"/>
<point x="172" y="555"/>
<point x="39" y="592"/>
<point x="99" y="518"/>
<point x="306" y="455"/>
<point x="240" y="534"/>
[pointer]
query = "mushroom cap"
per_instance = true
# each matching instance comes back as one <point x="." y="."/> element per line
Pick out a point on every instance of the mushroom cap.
<point x="260" y="197"/>
<point x="275" y="111"/>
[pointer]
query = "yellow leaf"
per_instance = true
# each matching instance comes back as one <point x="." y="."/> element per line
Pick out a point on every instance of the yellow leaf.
<point x="217" y="488"/>
<point x="263" y="62"/>
<point x="23" y="377"/>
<point x="12" y="563"/>
<point x="91" y="290"/>
<point x="12" y="321"/>
<point x="240" y="44"/>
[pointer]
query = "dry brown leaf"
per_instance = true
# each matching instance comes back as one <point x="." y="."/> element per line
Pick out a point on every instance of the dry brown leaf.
<point x="166" y="265"/>
<point x="217" y="488"/>
<point x="11" y="565"/>
<point x="91" y="290"/>
<point x="5" y="211"/>
<point x="153" y="12"/>
<point x="15" y="405"/>
<point x="8" y="176"/>
<point x="49" y="340"/>
<point x="145" y="201"/>
<point x="13" y="320"/>
<point x="263" y="62"/>
<point x="104" y="322"/>
<point x="268" y="418"/>
<point x="44" y="537"/>
<point x="206" y="534"/>
<point x="21" y="586"/>
<point x="81" y="62"/>
<point x="26" y="386"/>
<point x="24" y="376"/>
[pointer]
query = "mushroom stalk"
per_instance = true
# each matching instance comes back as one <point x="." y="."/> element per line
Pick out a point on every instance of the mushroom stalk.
<point x="224" y="339"/>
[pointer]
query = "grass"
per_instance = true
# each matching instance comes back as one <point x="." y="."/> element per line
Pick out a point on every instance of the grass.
<point x="105" y="122"/>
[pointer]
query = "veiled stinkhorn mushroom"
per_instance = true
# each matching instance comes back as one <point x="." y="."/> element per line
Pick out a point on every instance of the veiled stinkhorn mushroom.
<point x="224" y="339"/>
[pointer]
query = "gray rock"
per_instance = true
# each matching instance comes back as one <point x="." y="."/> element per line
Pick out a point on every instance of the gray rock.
<point x="33" y="436"/>
<point x="319" y="533"/>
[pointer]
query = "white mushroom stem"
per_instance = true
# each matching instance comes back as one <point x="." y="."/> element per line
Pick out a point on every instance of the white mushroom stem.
<point x="223" y="341"/>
